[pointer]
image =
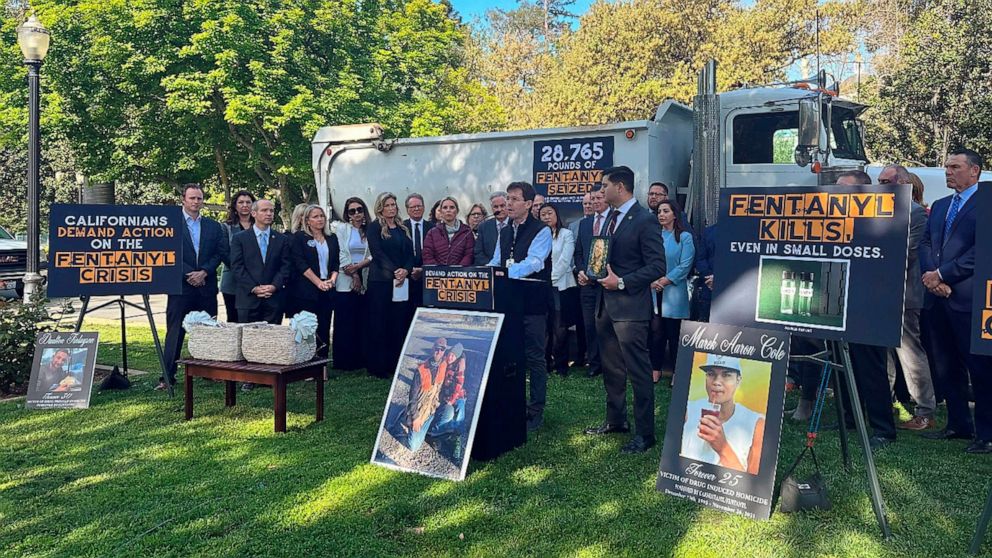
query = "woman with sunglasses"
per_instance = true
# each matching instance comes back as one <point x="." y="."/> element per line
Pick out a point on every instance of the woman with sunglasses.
<point x="476" y="216"/>
<point x="351" y="306"/>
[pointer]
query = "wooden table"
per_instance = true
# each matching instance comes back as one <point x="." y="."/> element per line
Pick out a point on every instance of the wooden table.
<point x="273" y="375"/>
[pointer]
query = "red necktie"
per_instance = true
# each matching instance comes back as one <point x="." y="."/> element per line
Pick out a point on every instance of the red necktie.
<point x="597" y="225"/>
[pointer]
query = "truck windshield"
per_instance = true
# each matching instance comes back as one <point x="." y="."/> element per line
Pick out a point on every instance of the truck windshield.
<point x="845" y="136"/>
<point x="4" y="235"/>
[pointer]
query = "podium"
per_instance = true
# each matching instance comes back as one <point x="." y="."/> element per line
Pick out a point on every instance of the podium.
<point x="502" y="424"/>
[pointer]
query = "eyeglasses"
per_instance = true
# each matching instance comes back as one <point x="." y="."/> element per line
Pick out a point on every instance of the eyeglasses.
<point x="355" y="211"/>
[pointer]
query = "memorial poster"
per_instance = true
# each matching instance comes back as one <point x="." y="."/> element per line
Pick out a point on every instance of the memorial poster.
<point x="99" y="250"/>
<point x="825" y="262"/>
<point x="725" y="418"/>
<point x="62" y="372"/>
<point x="433" y="406"/>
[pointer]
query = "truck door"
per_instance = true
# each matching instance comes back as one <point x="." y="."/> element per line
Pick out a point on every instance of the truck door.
<point x="758" y="148"/>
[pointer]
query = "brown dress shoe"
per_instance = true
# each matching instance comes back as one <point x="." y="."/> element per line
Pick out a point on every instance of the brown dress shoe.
<point x="917" y="423"/>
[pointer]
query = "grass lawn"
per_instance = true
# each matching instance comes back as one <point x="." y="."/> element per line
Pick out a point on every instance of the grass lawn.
<point x="129" y="477"/>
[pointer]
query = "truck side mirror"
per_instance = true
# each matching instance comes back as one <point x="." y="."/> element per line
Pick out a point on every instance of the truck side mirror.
<point x="809" y="123"/>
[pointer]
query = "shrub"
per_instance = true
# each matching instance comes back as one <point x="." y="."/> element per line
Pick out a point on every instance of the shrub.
<point x="19" y="324"/>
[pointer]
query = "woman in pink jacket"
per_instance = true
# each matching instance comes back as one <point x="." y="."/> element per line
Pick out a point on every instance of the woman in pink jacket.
<point x="450" y="242"/>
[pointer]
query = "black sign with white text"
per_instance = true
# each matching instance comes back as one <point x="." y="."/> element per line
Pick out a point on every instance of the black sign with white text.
<point x="981" y="340"/>
<point x="725" y="418"/>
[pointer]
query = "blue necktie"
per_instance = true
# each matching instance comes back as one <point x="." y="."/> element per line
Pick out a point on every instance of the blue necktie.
<point x="955" y="207"/>
<point x="263" y="244"/>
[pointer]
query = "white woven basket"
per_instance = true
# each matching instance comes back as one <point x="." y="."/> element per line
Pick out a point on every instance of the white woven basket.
<point x="219" y="342"/>
<point x="275" y="344"/>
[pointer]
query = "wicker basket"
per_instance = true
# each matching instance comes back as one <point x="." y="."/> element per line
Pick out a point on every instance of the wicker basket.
<point x="219" y="342"/>
<point x="275" y="344"/>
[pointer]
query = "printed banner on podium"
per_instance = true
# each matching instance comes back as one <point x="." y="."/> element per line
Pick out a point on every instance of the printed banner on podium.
<point x="467" y="288"/>
<point x="981" y="341"/>
<point x="725" y="418"/>
<point x="826" y="262"/>
<point x="99" y="250"/>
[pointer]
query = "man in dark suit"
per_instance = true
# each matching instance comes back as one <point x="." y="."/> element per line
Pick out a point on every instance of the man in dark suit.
<point x="260" y="260"/>
<point x="909" y="354"/>
<point x="636" y="258"/>
<point x="485" y="245"/>
<point x="947" y="258"/>
<point x="204" y="248"/>
<point x="590" y="226"/>
<point x="418" y="227"/>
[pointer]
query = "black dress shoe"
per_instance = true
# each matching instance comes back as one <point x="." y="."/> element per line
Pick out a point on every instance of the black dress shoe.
<point x="607" y="428"/>
<point x="638" y="444"/>
<point x="947" y="434"/>
<point x="980" y="446"/>
<point x="878" y="442"/>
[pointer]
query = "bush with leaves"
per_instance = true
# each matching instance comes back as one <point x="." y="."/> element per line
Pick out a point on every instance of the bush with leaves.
<point x="19" y="325"/>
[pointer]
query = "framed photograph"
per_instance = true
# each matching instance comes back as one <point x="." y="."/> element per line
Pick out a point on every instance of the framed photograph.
<point x="62" y="373"/>
<point x="598" y="257"/>
<point x="433" y="407"/>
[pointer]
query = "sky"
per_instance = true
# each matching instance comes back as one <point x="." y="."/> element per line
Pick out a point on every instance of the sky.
<point x="472" y="8"/>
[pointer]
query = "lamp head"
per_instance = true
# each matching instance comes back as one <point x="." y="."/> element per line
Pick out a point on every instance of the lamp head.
<point x="33" y="39"/>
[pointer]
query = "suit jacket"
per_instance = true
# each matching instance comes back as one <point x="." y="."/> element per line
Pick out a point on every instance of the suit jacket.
<point x="637" y="254"/>
<point x="383" y="264"/>
<point x="953" y="256"/>
<point x="305" y="257"/>
<point x="914" y="285"/>
<point x="213" y="251"/>
<point x="485" y="244"/>
<point x="418" y="259"/>
<point x="250" y="271"/>
<point x="583" y="239"/>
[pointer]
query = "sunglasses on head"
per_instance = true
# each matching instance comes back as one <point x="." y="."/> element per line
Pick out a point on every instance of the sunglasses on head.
<point x="355" y="210"/>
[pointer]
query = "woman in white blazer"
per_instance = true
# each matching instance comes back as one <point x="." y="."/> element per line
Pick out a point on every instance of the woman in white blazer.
<point x="566" y="291"/>
<point x="348" y="340"/>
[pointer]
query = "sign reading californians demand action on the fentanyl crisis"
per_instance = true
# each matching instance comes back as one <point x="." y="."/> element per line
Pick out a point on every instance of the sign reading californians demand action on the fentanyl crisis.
<point x="99" y="250"/>
<point x="725" y="418"/>
<point x="827" y="262"/>
<point x="981" y="340"/>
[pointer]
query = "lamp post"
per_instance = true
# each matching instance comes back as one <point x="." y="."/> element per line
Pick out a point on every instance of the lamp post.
<point x="33" y="39"/>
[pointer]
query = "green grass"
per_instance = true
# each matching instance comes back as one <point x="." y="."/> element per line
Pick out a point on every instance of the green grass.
<point x="129" y="477"/>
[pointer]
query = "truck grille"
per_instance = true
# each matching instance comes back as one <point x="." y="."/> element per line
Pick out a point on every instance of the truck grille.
<point x="12" y="259"/>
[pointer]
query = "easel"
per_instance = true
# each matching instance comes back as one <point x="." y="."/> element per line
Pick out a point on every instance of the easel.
<point x="983" y="525"/>
<point x="829" y="358"/>
<point x="147" y="308"/>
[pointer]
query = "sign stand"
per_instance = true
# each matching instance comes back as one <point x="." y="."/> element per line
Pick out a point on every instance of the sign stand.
<point x="147" y="308"/>
<point x="983" y="525"/>
<point x="829" y="357"/>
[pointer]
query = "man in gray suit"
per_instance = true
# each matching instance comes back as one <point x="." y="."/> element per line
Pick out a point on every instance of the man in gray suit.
<point x="485" y="244"/>
<point x="912" y="358"/>
<point x="636" y="258"/>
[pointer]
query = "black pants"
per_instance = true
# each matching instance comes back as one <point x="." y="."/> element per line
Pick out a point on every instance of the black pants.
<point x="587" y="297"/>
<point x="386" y="329"/>
<point x="348" y="345"/>
<point x="268" y="310"/>
<point x="176" y="308"/>
<point x="231" y="308"/>
<point x="806" y="374"/>
<point x="556" y="351"/>
<point x="950" y="335"/>
<point x="872" y="376"/>
<point x="322" y="308"/>
<point x="624" y="352"/>
<point x="664" y="341"/>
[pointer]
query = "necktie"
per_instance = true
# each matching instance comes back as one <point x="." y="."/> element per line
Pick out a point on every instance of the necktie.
<point x="611" y="226"/>
<point x="263" y="244"/>
<point x="955" y="207"/>
<point x="416" y="239"/>
<point x="598" y="225"/>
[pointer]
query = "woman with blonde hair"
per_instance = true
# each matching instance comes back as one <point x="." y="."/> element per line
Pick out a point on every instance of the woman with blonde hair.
<point x="918" y="191"/>
<point x="315" y="270"/>
<point x="477" y="214"/>
<point x="392" y="261"/>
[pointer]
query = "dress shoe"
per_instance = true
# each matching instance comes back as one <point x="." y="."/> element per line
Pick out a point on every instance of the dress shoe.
<point x="878" y="442"/>
<point x="979" y="446"/>
<point x="947" y="434"/>
<point x="917" y="423"/>
<point x="638" y="444"/>
<point x="592" y="374"/>
<point x="607" y="428"/>
<point x="534" y="422"/>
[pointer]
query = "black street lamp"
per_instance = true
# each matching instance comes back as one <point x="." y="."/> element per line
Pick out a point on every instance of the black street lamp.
<point x="33" y="39"/>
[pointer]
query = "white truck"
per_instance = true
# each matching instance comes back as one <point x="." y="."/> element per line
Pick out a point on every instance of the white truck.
<point x="796" y="133"/>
